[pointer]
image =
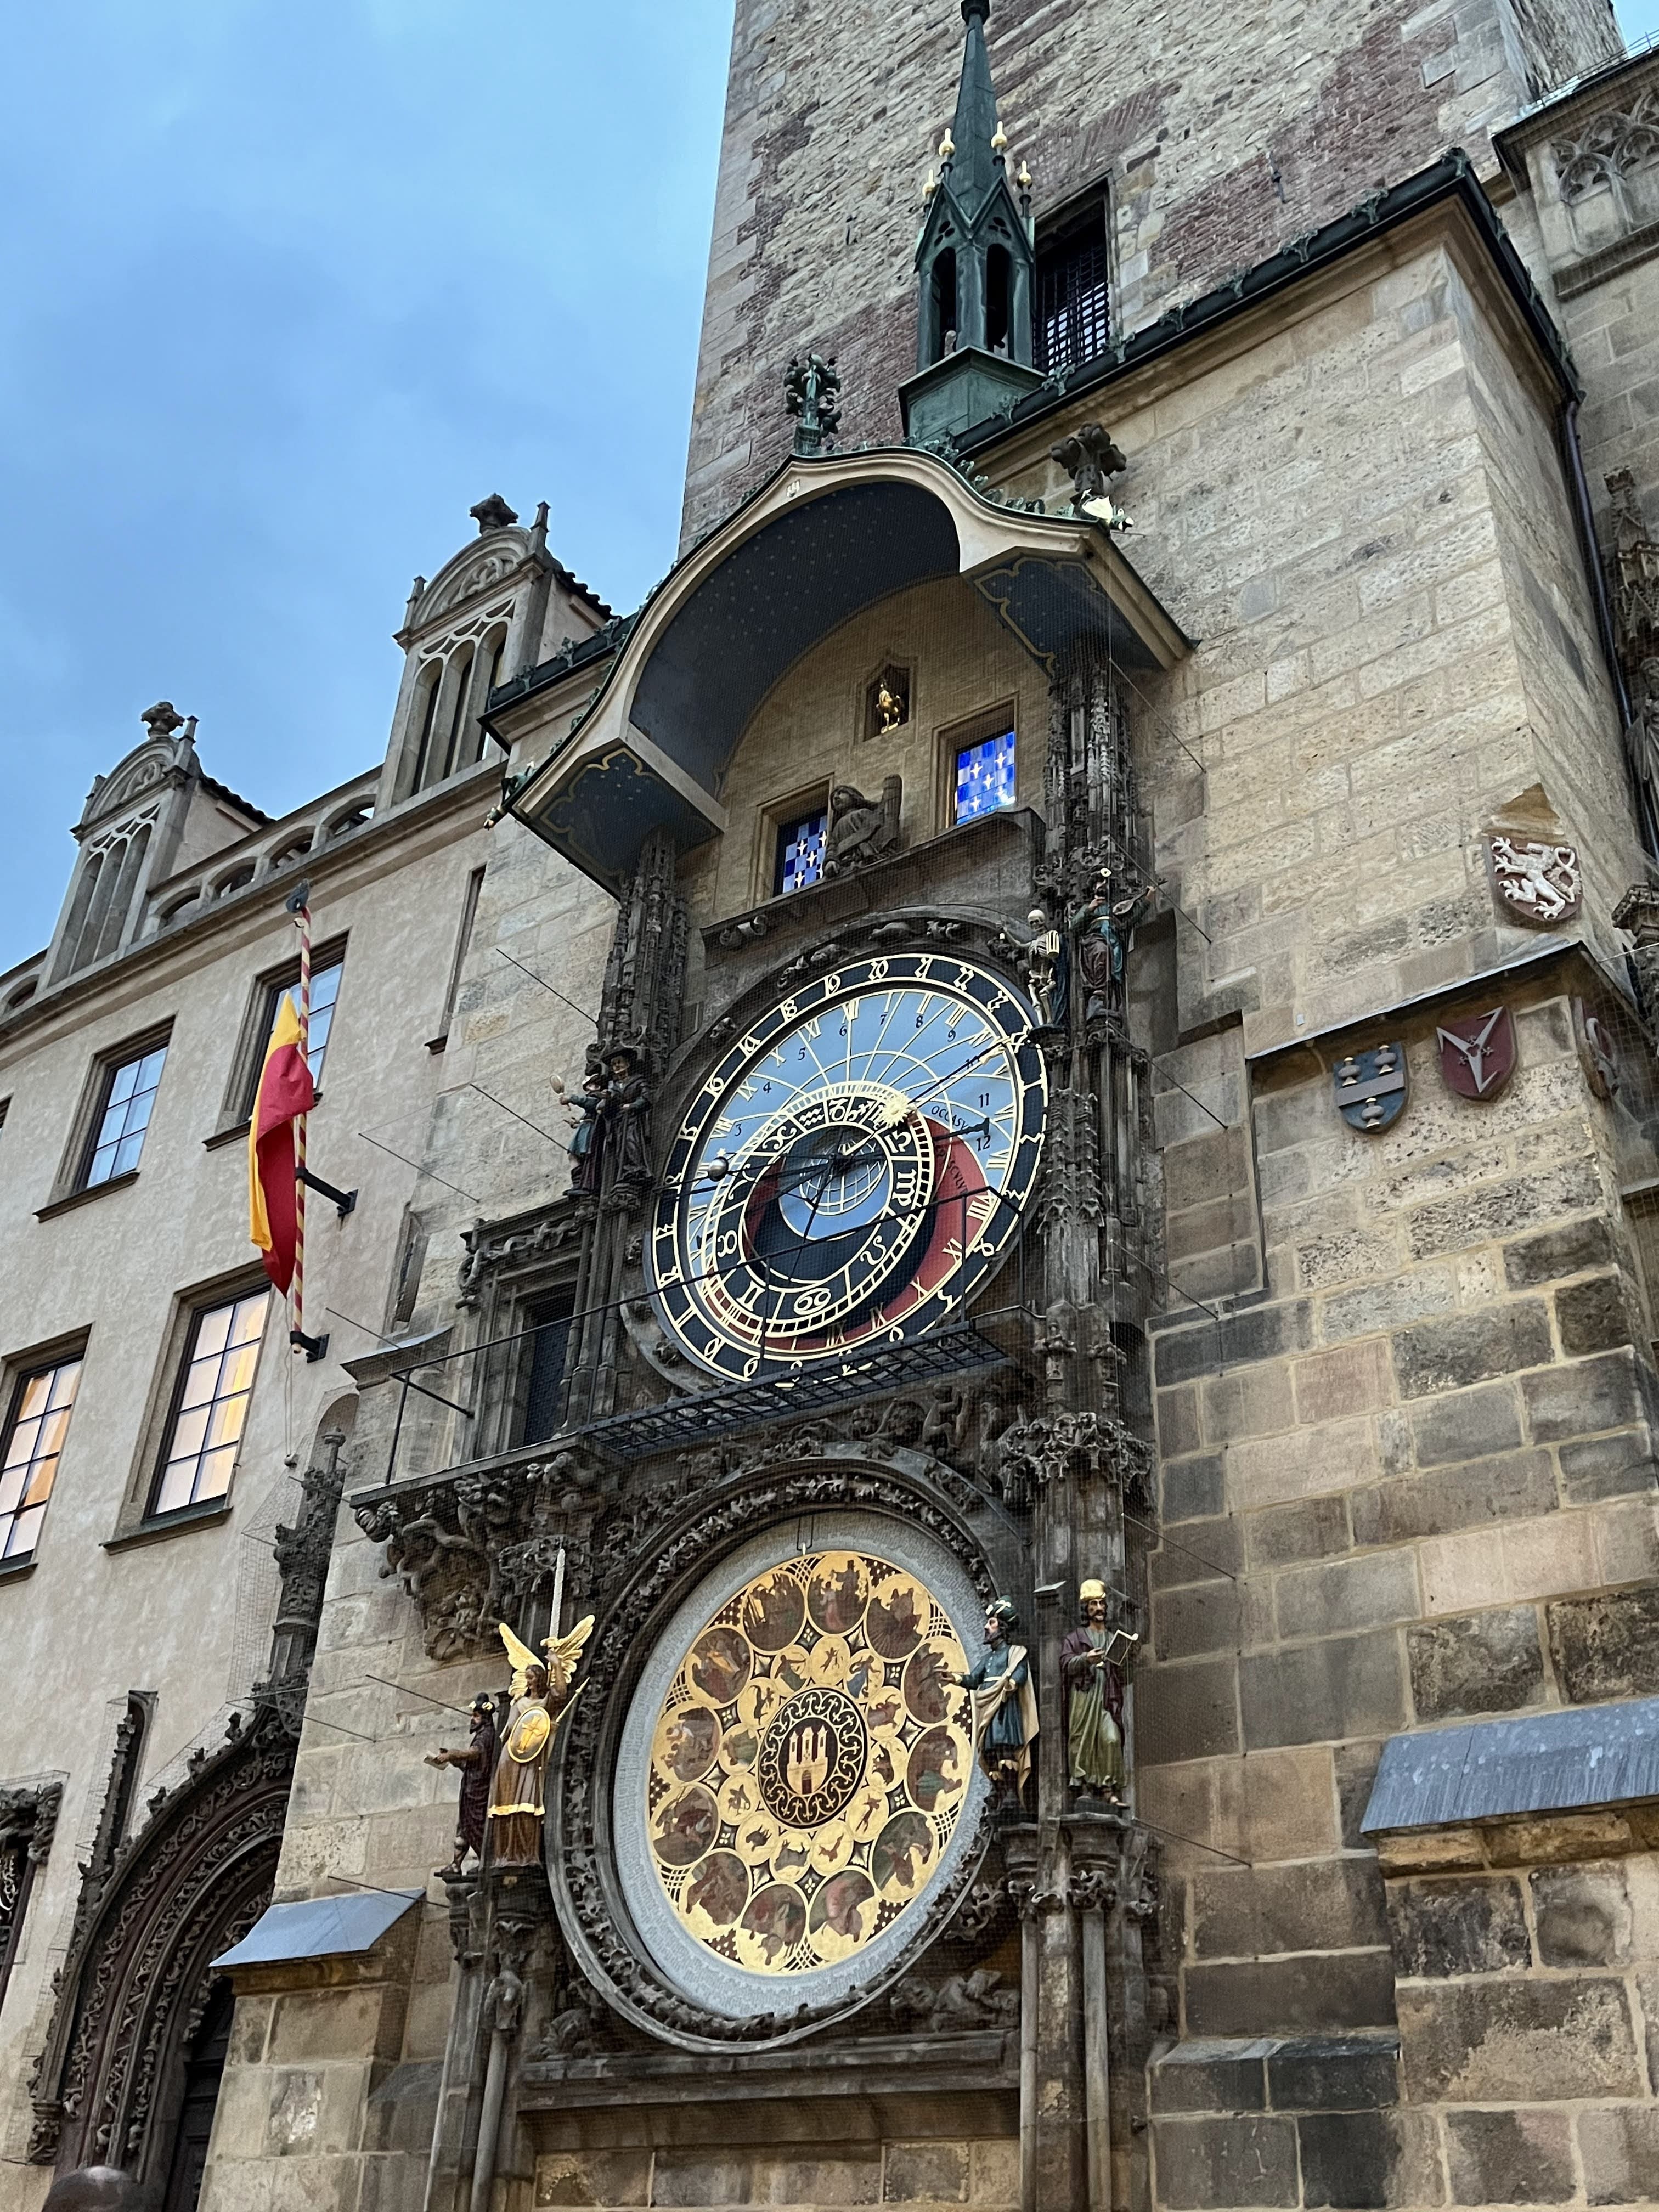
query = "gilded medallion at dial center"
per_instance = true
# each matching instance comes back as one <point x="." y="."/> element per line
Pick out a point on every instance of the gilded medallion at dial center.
<point x="812" y="1758"/>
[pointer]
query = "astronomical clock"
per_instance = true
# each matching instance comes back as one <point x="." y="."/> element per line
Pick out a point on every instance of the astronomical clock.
<point x="851" y="1169"/>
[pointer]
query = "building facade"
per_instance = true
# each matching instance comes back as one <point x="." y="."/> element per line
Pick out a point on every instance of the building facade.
<point x="1026" y="1248"/>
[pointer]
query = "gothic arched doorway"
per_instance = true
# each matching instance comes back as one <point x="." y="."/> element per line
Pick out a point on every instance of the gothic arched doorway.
<point x="128" y="2064"/>
<point x="204" y="2067"/>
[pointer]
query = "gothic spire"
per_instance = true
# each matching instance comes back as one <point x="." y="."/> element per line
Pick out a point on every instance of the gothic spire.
<point x="973" y="168"/>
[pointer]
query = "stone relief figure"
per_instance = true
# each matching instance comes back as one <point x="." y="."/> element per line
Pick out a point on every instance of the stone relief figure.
<point x="626" y="1113"/>
<point x="861" y="829"/>
<point x="1004" y="1705"/>
<point x="1090" y="1660"/>
<point x="541" y="1696"/>
<point x="476" y="1765"/>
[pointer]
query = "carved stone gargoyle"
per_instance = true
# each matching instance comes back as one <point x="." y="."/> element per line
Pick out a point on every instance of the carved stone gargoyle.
<point x="1090" y="457"/>
<point x="861" y="830"/>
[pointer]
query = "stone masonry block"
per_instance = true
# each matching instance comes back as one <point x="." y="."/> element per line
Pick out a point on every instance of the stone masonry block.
<point x="594" y="2177"/>
<point x="1328" y="1905"/>
<point x="1582" y="1397"/>
<point x="1348" y="1378"/>
<point x="1370" y="2159"/>
<point x="1570" y="1251"/>
<point x="1204" y="1552"/>
<point x="1510" y="2158"/>
<point x="1291" y="1995"/>
<point x="1344" y="1593"/>
<point x="1250" y="1402"/>
<point x="1259" y="1333"/>
<point x="1286" y="1534"/>
<point x="1605" y="1646"/>
<point x="1206" y="1168"/>
<point x="1507" y="2041"/>
<point x="1178" y="1429"/>
<point x="1194" y="1489"/>
<point x="1204" y="1617"/>
<point x="1609" y="1466"/>
<point x="1465" y="1424"/>
<point x="1509" y="1485"/>
<point x="1620" y="2149"/>
<point x="1447" y="1925"/>
<point x="1275" y="1805"/>
<point x="1334" y="2074"/>
<point x="1582" y="1915"/>
<point x="1247" y="2161"/>
<point x="1465" y="1348"/>
<point x="935" y="2171"/>
<point x="1274" y="1470"/>
<point x="1595" y="1315"/>
<point x="1187" y="1712"/>
<point x="1346" y="1686"/>
<point x="1214" y="2077"/>
<point x="1503" y="1209"/>
<point x="1484" y="1662"/>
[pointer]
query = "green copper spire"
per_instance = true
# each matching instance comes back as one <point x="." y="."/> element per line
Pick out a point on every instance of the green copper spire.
<point x="975" y="170"/>
<point x="974" y="264"/>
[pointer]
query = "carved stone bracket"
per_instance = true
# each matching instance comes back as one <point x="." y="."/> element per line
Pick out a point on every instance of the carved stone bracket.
<point x="473" y="1549"/>
<point x="1038" y="1453"/>
<point x="519" y="1243"/>
<point x="28" y="1816"/>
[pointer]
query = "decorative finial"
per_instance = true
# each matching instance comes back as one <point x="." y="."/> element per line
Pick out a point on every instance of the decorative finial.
<point x="1023" y="179"/>
<point x="947" y="146"/>
<point x="931" y="186"/>
<point x="811" y="393"/>
<point x="162" y="719"/>
<point x="998" y="139"/>
<point x="492" y="513"/>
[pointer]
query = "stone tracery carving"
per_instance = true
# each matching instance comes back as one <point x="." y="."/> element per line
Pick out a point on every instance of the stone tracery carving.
<point x="1608" y="147"/>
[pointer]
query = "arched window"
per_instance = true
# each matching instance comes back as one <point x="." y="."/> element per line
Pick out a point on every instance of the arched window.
<point x="458" y="729"/>
<point x="943" y="301"/>
<point x="427" y="714"/>
<point x="997" y="283"/>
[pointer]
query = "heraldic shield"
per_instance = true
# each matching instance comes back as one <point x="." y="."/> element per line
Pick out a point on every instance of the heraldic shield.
<point x="1477" y="1055"/>
<point x="1370" y="1088"/>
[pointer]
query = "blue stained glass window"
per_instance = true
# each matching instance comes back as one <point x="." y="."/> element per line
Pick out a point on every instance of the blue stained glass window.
<point x="800" y="851"/>
<point x="985" y="776"/>
<point x="119" y="1138"/>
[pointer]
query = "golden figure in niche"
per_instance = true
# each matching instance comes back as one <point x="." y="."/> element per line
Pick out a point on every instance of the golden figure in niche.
<point x="809" y="1762"/>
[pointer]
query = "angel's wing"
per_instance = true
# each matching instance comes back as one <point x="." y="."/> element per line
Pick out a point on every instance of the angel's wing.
<point x="522" y="1657"/>
<point x="563" y="1652"/>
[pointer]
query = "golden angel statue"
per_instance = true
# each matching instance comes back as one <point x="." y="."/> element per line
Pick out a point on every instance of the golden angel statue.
<point x="542" y="1696"/>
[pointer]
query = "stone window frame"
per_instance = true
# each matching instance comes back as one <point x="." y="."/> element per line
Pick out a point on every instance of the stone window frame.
<point x="69" y="1185"/>
<point x="1058" y="223"/>
<point x="28" y="1818"/>
<point x="15" y="1370"/>
<point x="771" y="818"/>
<point x="255" y="1033"/>
<point x="136" y="1521"/>
<point x="993" y="720"/>
<point x="866" y="711"/>
<point x="499" y="1392"/>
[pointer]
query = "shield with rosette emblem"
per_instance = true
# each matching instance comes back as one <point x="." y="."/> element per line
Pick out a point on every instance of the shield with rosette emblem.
<point x="1370" y="1088"/>
<point x="1477" y="1053"/>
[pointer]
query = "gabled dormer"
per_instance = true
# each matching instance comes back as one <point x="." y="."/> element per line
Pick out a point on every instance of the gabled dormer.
<point x="974" y="262"/>
<point x="502" y="604"/>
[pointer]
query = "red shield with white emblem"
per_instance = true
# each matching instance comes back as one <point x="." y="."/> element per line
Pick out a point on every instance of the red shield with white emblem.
<point x="1477" y="1053"/>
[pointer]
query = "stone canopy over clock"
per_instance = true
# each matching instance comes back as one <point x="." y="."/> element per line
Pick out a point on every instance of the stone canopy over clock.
<point x="851" y="1169"/>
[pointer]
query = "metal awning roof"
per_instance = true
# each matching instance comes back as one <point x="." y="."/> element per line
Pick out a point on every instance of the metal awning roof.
<point x="321" y="1928"/>
<point x="1559" y="1762"/>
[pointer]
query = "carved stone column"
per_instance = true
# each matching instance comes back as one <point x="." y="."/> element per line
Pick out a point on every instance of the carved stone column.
<point x="1638" y="913"/>
<point x="1053" y="2151"/>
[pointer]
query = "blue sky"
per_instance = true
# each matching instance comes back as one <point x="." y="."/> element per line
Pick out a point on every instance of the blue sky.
<point x="287" y="289"/>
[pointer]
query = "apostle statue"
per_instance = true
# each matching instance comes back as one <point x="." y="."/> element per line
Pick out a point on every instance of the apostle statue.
<point x="1091" y="1663"/>
<point x="541" y="1696"/>
<point x="477" y="1763"/>
<point x="1004" y="1705"/>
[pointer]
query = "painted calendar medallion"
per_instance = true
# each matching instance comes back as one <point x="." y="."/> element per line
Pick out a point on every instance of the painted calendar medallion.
<point x="809" y="1762"/>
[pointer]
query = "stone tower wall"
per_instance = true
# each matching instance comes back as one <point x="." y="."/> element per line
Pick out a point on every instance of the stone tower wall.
<point x="1219" y="139"/>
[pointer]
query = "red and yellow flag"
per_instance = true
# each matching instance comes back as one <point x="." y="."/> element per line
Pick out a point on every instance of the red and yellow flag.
<point x="285" y="1091"/>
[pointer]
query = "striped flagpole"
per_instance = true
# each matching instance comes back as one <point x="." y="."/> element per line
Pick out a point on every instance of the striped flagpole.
<point x="302" y="923"/>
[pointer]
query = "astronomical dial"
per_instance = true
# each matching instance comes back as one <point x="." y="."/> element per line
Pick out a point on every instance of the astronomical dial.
<point x="852" y="1169"/>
